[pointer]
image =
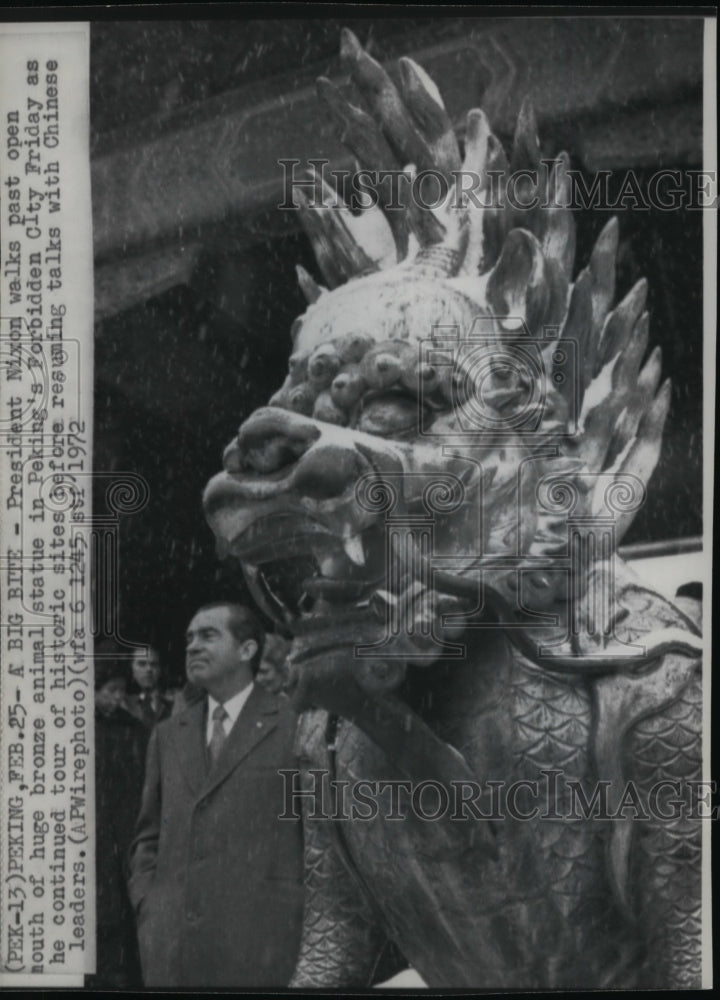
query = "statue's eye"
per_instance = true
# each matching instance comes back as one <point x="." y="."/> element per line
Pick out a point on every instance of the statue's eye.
<point x="323" y="366"/>
<point x="297" y="366"/>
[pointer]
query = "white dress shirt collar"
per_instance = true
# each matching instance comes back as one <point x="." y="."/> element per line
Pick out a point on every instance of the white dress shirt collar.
<point x="233" y="706"/>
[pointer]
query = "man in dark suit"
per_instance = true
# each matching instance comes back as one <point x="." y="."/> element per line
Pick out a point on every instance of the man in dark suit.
<point x="120" y="747"/>
<point x="215" y="876"/>
<point x="149" y="703"/>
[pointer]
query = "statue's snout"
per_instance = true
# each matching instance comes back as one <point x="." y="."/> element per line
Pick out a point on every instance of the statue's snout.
<point x="317" y="461"/>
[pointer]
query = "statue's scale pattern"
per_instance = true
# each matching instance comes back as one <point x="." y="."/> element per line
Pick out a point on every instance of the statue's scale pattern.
<point x="665" y="746"/>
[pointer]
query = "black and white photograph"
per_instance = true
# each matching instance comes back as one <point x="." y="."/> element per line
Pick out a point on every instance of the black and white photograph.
<point x="357" y="395"/>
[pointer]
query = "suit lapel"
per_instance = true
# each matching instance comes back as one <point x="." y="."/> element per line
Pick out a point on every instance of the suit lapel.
<point x="190" y="744"/>
<point x="257" y="720"/>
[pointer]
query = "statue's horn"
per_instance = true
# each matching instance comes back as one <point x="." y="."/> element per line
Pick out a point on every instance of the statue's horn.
<point x="517" y="288"/>
<point x="337" y="252"/>
<point x="602" y="272"/>
<point x="386" y="106"/>
<point x="424" y="102"/>
<point x="309" y="287"/>
<point x="526" y="144"/>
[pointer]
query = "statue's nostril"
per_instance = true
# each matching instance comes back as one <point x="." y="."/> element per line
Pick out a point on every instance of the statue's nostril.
<point x="327" y="471"/>
<point x="232" y="458"/>
<point x="272" y="439"/>
<point x="273" y="454"/>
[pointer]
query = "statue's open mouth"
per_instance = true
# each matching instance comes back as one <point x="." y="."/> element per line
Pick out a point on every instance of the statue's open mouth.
<point x="297" y="569"/>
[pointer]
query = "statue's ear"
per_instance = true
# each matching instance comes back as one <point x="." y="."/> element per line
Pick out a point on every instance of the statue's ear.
<point x="518" y="287"/>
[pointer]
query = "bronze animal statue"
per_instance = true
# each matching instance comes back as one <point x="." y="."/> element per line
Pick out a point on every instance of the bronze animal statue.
<point x="432" y="503"/>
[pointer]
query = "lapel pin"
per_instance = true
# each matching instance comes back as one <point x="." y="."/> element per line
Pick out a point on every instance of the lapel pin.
<point x="259" y="724"/>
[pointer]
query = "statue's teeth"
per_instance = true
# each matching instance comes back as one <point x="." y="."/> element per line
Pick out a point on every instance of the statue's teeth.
<point x="354" y="549"/>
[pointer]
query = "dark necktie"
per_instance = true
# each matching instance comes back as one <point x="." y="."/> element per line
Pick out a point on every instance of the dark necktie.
<point x="218" y="736"/>
<point x="147" y="708"/>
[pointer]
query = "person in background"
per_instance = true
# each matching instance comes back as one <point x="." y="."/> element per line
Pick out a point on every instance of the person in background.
<point x="149" y="704"/>
<point x="273" y="671"/>
<point x="120" y="748"/>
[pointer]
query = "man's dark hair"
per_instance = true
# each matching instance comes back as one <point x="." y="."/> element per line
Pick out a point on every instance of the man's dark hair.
<point x="243" y="624"/>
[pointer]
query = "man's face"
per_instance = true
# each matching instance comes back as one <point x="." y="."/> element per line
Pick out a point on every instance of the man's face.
<point x="110" y="696"/>
<point x="146" y="670"/>
<point x="214" y="658"/>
